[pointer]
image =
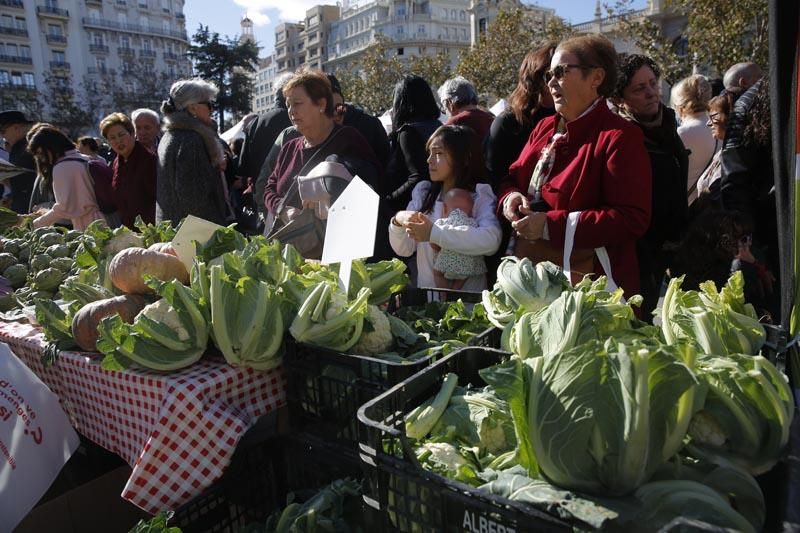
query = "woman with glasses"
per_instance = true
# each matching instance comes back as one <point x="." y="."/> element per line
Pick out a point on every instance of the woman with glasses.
<point x="706" y="192"/>
<point x="134" y="171"/>
<point x="584" y="168"/>
<point x="690" y="98"/>
<point x="638" y="100"/>
<point x="64" y="169"/>
<point x="191" y="161"/>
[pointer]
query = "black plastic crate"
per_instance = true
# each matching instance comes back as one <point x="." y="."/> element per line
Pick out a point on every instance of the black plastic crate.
<point x="413" y="499"/>
<point x="251" y="487"/>
<point x="311" y="463"/>
<point x="325" y="388"/>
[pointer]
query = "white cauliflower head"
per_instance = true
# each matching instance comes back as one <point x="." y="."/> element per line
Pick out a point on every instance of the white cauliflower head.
<point x="162" y="312"/>
<point x="377" y="335"/>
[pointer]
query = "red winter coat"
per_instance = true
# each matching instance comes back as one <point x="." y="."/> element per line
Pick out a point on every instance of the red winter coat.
<point x="601" y="169"/>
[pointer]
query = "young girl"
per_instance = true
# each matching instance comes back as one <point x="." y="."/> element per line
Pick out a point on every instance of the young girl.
<point x="414" y="230"/>
<point x="66" y="169"/>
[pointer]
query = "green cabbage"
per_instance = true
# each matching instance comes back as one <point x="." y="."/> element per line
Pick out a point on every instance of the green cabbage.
<point x="747" y="412"/>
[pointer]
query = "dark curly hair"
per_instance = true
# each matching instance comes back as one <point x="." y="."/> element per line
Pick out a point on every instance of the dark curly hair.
<point x="710" y="245"/>
<point x="758" y="131"/>
<point x="628" y="66"/>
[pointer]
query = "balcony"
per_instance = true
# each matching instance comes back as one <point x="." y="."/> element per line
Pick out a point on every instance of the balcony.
<point x="124" y="51"/>
<point x="171" y="56"/>
<point x="180" y="16"/>
<point x="53" y="38"/>
<point x="17" y="60"/>
<point x="97" y="70"/>
<point x="11" y="86"/>
<point x="98" y="48"/>
<point x="8" y="30"/>
<point x="94" y="2"/>
<point x="54" y="12"/>
<point x="12" y="3"/>
<point x="59" y="65"/>
<point x="148" y="54"/>
<point x="105" y="24"/>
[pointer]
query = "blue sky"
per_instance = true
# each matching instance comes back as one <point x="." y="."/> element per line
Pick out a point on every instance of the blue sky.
<point x="223" y="16"/>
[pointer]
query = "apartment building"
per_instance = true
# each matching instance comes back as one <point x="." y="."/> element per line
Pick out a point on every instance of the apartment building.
<point x="78" y="40"/>
<point x="415" y="28"/>
<point x="483" y="12"/>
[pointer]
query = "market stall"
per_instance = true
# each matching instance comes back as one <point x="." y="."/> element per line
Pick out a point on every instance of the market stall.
<point x="177" y="431"/>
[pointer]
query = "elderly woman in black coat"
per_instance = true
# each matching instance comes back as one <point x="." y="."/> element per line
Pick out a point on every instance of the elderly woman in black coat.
<point x="191" y="161"/>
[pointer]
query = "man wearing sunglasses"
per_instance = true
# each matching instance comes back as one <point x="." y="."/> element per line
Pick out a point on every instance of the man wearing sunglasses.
<point x="14" y="126"/>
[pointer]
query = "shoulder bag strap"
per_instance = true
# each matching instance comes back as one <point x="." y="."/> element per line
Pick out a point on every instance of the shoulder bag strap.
<point x="602" y="253"/>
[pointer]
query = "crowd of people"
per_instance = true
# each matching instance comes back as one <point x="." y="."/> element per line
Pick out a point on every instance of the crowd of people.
<point x="587" y="167"/>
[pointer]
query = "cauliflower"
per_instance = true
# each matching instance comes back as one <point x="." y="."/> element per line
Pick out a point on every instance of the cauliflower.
<point x="377" y="335"/>
<point x="705" y="429"/>
<point x="163" y="313"/>
<point x="441" y="455"/>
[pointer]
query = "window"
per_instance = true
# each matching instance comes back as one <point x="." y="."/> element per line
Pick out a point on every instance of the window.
<point x="165" y="25"/>
<point x="97" y="38"/>
<point x="462" y="15"/>
<point x="143" y="4"/>
<point x="28" y="80"/>
<point x="11" y="50"/>
<point x="482" y="25"/>
<point x="146" y="44"/>
<point x="101" y="64"/>
<point x="20" y="23"/>
<point x="421" y="28"/>
<point x="165" y="5"/>
<point x="125" y="42"/>
<point x="122" y="18"/>
<point x="94" y="14"/>
<point x="453" y="14"/>
<point x="464" y="33"/>
<point x="55" y="29"/>
<point x="59" y="57"/>
<point x="16" y="78"/>
<point x="401" y="11"/>
<point x="24" y="51"/>
<point x="8" y="21"/>
<point x="144" y="21"/>
<point x="400" y="30"/>
<point x="5" y="77"/>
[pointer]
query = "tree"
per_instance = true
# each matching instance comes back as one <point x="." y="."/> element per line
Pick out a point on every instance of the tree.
<point x="371" y="82"/>
<point x="434" y="68"/>
<point x="21" y="97"/>
<point x="492" y="65"/>
<point x="64" y="108"/>
<point x="225" y="61"/>
<point x="718" y="35"/>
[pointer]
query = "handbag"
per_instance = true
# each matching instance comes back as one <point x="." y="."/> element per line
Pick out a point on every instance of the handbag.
<point x="306" y="232"/>
<point x="576" y="262"/>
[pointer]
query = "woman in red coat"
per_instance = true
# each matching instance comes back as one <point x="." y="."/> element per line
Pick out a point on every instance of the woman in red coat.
<point x="582" y="159"/>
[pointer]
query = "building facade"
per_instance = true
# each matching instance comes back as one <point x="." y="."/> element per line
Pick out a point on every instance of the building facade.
<point x="263" y="92"/>
<point x="415" y="28"/>
<point x="483" y="12"/>
<point x="75" y="42"/>
<point x="315" y="34"/>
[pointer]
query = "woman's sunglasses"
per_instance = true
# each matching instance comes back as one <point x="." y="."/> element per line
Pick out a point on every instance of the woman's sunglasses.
<point x="559" y="71"/>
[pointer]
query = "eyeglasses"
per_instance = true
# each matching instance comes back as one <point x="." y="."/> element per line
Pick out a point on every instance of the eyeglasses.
<point x="559" y="71"/>
<point x="714" y="118"/>
<point x="209" y="105"/>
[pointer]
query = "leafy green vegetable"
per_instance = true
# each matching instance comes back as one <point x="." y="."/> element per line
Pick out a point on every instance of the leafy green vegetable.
<point x="327" y="319"/>
<point x="153" y="233"/>
<point x="323" y="512"/>
<point x="222" y="241"/>
<point x="421" y="420"/>
<point x="246" y="320"/>
<point x="602" y="417"/>
<point x="56" y="322"/>
<point x="717" y="322"/>
<point x="747" y="413"/>
<point x="157" y="524"/>
<point x="522" y="287"/>
<point x="169" y="334"/>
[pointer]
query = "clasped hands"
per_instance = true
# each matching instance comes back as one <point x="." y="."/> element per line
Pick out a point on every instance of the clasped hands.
<point x="526" y="223"/>
<point x="417" y="225"/>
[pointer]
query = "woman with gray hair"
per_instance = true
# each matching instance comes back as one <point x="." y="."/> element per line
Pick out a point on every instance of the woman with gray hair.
<point x="191" y="160"/>
<point x="460" y="98"/>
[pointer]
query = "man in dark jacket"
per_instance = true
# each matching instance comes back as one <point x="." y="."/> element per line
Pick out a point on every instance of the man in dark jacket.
<point x="14" y="127"/>
<point x="261" y="135"/>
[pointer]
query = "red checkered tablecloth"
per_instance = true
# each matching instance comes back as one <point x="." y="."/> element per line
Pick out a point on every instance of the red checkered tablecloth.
<point x="177" y="430"/>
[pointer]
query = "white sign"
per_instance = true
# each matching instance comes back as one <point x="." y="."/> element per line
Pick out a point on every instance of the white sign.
<point x="36" y="439"/>
<point x="192" y="229"/>
<point x="350" y="232"/>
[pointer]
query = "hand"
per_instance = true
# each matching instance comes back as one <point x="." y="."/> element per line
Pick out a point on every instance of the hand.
<point x="403" y="217"/>
<point x="419" y="227"/>
<point x="531" y="226"/>
<point x="290" y="213"/>
<point x="513" y="206"/>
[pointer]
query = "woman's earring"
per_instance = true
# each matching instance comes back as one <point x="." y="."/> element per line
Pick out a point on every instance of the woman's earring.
<point x="321" y="110"/>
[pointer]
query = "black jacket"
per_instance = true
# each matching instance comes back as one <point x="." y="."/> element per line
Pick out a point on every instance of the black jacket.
<point x="22" y="184"/>
<point x="372" y="130"/>
<point x="259" y="138"/>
